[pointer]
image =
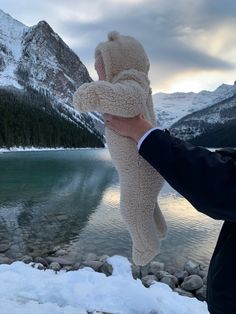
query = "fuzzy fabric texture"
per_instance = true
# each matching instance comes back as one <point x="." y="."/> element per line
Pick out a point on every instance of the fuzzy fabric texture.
<point x="126" y="92"/>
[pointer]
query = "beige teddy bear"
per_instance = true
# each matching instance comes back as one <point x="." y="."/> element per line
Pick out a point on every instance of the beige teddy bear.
<point x="124" y="90"/>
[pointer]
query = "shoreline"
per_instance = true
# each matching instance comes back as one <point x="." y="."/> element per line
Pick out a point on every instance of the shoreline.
<point x="189" y="280"/>
<point x="15" y="149"/>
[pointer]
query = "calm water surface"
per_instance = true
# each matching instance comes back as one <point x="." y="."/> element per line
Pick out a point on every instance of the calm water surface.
<point x="70" y="199"/>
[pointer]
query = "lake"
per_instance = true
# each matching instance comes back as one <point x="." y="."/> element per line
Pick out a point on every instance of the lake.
<point x="69" y="199"/>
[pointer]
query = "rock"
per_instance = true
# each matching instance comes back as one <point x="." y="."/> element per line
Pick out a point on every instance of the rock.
<point x="191" y="268"/>
<point x="91" y="257"/>
<point x="103" y="258"/>
<point x="161" y="274"/>
<point x="144" y="270"/>
<point x="5" y="260"/>
<point x="201" y="273"/>
<point x="76" y="266"/>
<point x="204" y="279"/>
<point x="4" y="245"/>
<point x="106" y="269"/>
<point x="180" y="275"/>
<point x="170" y="269"/>
<point x="68" y="268"/>
<point x="95" y="265"/>
<point x="41" y="261"/>
<point x="148" y="280"/>
<point x="40" y="266"/>
<point x="64" y="261"/>
<point x="184" y="293"/>
<point x="192" y="282"/>
<point x="156" y="266"/>
<point x="27" y="259"/>
<point x="201" y="293"/>
<point x="170" y="280"/>
<point x="55" y="266"/>
<point x="61" y="252"/>
<point x="135" y="271"/>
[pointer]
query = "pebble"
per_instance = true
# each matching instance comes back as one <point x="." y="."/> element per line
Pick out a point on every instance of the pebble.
<point x="170" y="280"/>
<point x="192" y="282"/>
<point x="41" y="261"/>
<point x="156" y="266"/>
<point x="148" y="280"/>
<point x="27" y="259"/>
<point x="55" y="266"/>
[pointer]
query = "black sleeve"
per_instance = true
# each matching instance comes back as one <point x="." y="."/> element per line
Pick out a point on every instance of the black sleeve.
<point x="206" y="179"/>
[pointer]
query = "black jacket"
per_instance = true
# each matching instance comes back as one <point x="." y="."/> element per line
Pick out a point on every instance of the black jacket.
<point x="208" y="181"/>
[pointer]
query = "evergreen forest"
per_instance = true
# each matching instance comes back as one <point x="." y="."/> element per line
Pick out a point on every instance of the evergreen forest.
<point x="27" y="118"/>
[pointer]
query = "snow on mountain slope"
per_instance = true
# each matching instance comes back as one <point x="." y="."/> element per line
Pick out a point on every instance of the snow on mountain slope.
<point x="37" y="57"/>
<point x="170" y="108"/>
<point x="11" y="32"/>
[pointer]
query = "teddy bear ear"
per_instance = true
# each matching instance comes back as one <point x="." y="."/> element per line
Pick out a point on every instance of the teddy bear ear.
<point x="113" y="35"/>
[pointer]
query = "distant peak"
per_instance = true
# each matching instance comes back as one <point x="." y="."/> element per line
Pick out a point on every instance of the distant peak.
<point x="44" y="25"/>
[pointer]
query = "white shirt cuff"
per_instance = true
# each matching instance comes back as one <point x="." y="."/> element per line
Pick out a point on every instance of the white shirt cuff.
<point x="144" y="136"/>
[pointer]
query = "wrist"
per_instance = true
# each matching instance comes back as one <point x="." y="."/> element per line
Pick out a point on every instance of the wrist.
<point x="141" y="131"/>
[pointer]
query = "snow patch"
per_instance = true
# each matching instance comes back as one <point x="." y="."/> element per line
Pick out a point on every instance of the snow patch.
<point x="26" y="290"/>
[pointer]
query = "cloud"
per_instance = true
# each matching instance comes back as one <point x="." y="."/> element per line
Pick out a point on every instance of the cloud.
<point x="181" y="37"/>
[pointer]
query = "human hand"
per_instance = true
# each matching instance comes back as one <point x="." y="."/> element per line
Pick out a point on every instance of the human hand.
<point x="133" y="128"/>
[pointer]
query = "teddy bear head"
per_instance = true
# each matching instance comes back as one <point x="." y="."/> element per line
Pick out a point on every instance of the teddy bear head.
<point x="121" y="53"/>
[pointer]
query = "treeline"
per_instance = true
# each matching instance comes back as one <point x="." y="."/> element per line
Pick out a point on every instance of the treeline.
<point x="221" y="136"/>
<point x="28" y="119"/>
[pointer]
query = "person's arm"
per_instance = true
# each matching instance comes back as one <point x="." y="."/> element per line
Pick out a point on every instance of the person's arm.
<point x="124" y="99"/>
<point x="206" y="179"/>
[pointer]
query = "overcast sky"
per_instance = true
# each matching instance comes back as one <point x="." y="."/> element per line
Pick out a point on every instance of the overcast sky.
<point x="191" y="43"/>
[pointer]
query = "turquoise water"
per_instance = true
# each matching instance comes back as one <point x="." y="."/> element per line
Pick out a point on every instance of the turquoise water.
<point x="70" y="200"/>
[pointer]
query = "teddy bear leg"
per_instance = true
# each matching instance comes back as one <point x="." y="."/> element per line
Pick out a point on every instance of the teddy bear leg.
<point x="160" y="222"/>
<point x="143" y="257"/>
<point x="143" y="231"/>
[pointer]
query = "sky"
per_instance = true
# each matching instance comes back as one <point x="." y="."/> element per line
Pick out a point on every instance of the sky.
<point x="190" y="43"/>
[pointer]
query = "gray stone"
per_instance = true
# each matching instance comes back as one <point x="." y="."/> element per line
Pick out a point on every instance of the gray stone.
<point x="103" y="258"/>
<point x="204" y="279"/>
<point x="64" y="261"/>
<point x="55" y="266"/>
<point x="191" y="267"/>
<point x="41" y="261"/>
<point x="106" y="269"/>
<point x="201" y="293"/>
<point x="145" y="270"/>
<point x="4" y="245"/>
<point x="95" y="265"/>
<point x="68" y="268"/>
<point x="76" y="266"/>
<point x="192" y="282"/>
<point x="184" y="293"/>
<point x="40" y="266"/>
<point x="180" y="275"/>
<point x="27" y="259"/>
<point x="61" y="252"/>
<point x="161" y="274"/>
<point x="171" y="269"/>
<point x="156" y="266"/>
<point x="5" y="259"/>
<point x="135" y="271"/>
<point x="148" y="280"/>
<point x="91" y="257"/>
<point x="170" y="280"/>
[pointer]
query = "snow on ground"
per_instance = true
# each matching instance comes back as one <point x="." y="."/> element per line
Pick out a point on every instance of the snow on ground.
<point x="36" y="149"/>
<point x="27" y="290"/>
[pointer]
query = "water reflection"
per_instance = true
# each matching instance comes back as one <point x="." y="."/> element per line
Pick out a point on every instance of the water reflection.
<point x="52" y="195"/>
<point x="71" y="199"/>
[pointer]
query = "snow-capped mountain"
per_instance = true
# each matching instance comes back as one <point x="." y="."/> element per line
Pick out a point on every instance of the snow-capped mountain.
<point x="208" y="121"/>
<point x="170" y="108"/>
<point x="37" y="57"/>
